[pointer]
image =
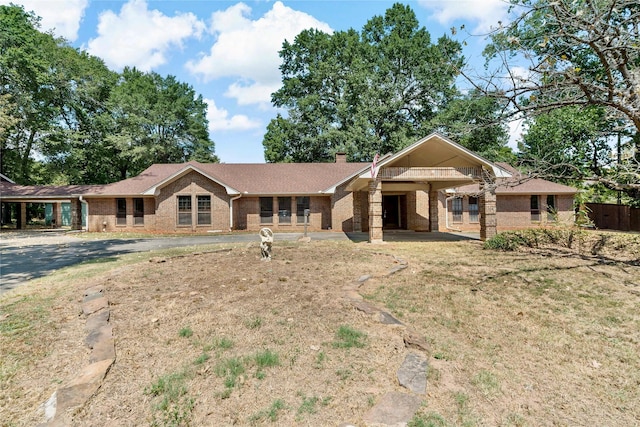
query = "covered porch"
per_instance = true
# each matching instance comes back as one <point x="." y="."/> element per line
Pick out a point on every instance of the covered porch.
<point x="402" y="189"/>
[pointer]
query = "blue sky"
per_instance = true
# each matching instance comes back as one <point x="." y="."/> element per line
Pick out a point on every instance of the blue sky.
<point x="228" y="50"/>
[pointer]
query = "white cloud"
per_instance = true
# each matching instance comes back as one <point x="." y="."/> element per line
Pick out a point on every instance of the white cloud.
<point x="61" y="16"/>
<point x="517" y="128"/>
<point x="486" y="13"/>
<point x="247" y="50"/>
<point x="219" y="119"/>
<point x="141" y="37"/>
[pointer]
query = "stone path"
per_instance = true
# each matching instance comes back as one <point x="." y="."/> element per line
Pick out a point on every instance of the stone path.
<point x="76" y="392"/>
<point x="393" y="409"/>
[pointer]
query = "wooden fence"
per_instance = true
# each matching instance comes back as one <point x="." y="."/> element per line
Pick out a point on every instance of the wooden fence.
<point x="614" y="217"/>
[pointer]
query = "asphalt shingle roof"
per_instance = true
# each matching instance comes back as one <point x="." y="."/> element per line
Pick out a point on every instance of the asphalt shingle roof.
<point x="246" y="178"/>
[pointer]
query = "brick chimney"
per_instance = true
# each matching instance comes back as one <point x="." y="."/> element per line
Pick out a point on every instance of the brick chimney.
<point x="341" y="158"/>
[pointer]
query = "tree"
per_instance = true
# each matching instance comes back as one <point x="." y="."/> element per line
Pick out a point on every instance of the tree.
<point x="155" y="119"/>
<point x="473" y="121"/>
<point x="27" y="87"/>
<point x="580" y="53"/>
<point x="569" y="142"/>
<point x="85" y="123"/>
<point x="361" y="93"/>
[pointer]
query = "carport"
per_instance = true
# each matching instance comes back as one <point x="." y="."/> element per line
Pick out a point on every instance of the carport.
<point x="21" y="196"/>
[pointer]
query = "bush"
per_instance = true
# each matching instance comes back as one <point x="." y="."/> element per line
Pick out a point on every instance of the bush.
<point x="534" y="238"/>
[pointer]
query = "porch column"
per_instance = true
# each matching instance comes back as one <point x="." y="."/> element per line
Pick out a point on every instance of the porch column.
<point x="76" y="214"/>
<point x="433" y="211"/>
<point x="21" y="220"/>
<point x="56" y="214"/>
<point x="375" y="211"/>
<point x="488" y="220"/>
<point x="357" y="211"/>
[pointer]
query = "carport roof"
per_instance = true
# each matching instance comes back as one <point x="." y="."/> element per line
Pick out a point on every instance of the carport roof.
<point x="10" y="190"/>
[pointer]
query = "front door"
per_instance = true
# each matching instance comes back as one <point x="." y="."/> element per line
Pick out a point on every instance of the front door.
<point x="393" y="217"/>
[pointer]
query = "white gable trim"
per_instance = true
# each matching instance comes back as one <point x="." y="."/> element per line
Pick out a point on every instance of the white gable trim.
<point x="151" y="191"/>
<point x="6" y="178"/>
<point x="497" y="170"/>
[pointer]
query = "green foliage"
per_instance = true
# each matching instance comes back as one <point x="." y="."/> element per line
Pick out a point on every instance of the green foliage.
<point x="367" y="92"/>
<point x="429" y="420"/>
<point x="201" y="359"/>
<point x="253" y="323"/>
<point x="347" y="337"/>
<point x="173" y="406"/>
<point x="185" y="332"/>
<point x="535" y="237"/>
<point x="473" y="121"/>
<point x="266" y="359"/>
<point x="220" y="344"/>
<point x="309" y="405"/>
<point x="270" y="414"/>
<point x="567" y="142"/>
<point x="487" y="382"/>
<point x="579" y="83"/>
<point x="90" y="125"/>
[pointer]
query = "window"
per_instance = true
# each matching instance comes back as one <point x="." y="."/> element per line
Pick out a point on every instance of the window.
<point x="473" y="209"/>
<point x="204" y="210"/>
<point x="457" y="209"/>
<point x="551" y="208"/>
<point x="184" y="210"/>
<point x="302" y="203"/>
<point x="138" y="211"/>
<point x="284" y="210"/>
<point x="121" y="211"/>
<point x="266" y="210"/>
<point x="535" y="208"/>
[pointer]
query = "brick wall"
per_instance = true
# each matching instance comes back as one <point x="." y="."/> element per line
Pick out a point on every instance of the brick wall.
<point x="193" y="184"/>
<point x="101" y="215"/>
<point x="342" y="210"/>
<point x="513" y="212"/>
<point x="418" y="210"/>
<point x="247" y="215"/>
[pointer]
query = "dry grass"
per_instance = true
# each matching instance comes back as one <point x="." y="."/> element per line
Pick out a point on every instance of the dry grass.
<point x="532" y="337"/>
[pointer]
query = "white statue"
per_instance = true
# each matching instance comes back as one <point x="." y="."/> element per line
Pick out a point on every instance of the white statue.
<point x="266" y="236"/>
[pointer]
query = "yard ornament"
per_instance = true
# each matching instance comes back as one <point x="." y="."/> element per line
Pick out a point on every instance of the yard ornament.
<point x="266" y="237"/>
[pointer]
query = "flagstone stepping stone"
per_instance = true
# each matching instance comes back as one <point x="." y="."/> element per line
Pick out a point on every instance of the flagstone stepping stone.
<point x="394" y="409"/>
<point x="77" y="391"/>
<point x="94" y="305"/>
<point x="413" y="373"/>
<point x="388" y="319"/>
<point x="97" y="320"/>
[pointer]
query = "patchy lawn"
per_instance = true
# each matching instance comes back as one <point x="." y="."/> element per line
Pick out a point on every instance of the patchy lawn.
<point x="537" y="336"/>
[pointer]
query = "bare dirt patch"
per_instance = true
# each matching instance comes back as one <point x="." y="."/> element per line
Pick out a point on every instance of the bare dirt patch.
<point x="533" y="337"/>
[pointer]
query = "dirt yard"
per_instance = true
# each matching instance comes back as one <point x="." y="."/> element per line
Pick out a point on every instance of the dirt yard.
<point x="215" y="337"/>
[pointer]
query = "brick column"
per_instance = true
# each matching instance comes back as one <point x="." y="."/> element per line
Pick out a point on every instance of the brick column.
<point x="76" y="214"/>
<point x="488" y="220"/>
<point x="56" y="214"/>
<point x="375" y="211"/>
<point x="357" y="211"/>
<point x="21" y="220"/>
<point x="433" y="211"/>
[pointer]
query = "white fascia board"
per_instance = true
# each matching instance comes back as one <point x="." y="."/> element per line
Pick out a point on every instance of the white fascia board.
<point x="152" y="190"/>
<point x="497" y="170"/>
<point x="355" y="175"/>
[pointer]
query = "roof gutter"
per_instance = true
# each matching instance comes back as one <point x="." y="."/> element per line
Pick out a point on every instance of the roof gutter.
<point x="231" y="210"/>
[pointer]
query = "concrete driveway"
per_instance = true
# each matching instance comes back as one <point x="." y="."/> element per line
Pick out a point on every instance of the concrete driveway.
<point x="32" y="254"/>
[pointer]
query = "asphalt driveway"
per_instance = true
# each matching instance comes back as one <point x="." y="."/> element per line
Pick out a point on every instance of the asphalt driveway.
<point x="32" y="254"/>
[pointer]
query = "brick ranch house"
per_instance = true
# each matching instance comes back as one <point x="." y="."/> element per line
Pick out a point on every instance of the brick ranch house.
<point x="432" y="185"/>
